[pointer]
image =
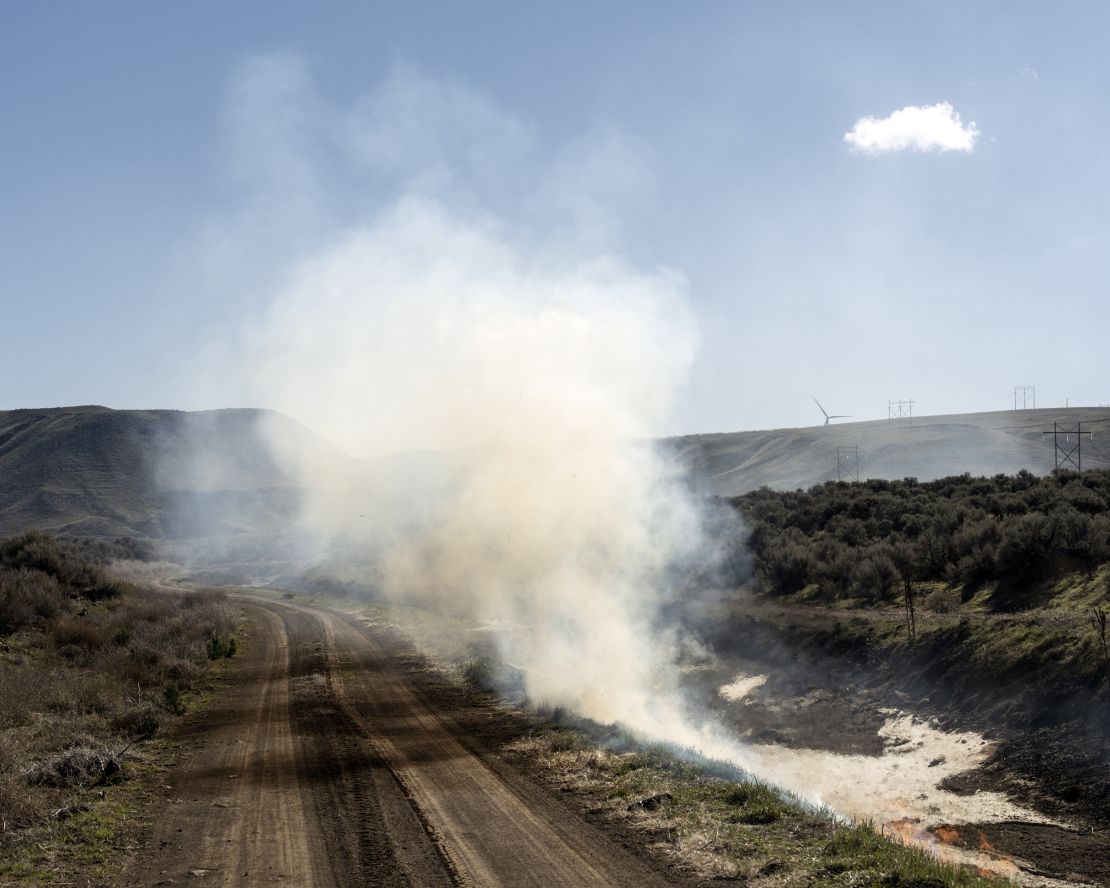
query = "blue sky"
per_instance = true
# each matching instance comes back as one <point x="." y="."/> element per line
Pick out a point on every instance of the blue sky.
<point x="151" y="185"/>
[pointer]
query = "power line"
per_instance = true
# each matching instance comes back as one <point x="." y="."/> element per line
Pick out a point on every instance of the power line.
<point x="899" y="411"/>
<point x="847" y="463"/>
<point x="1067" y="452"/>
<point x="1028" y="394"/>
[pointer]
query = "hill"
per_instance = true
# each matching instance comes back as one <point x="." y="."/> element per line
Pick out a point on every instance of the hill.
<point x="171" y="474"/>
<point x="163" y="474"/>
<point x="926" y="448"/>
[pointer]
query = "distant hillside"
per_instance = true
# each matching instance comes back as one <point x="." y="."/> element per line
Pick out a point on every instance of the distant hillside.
<point x="926" y="447"/>
<point x="175" y="475"/>
<point x="164" y="474"/>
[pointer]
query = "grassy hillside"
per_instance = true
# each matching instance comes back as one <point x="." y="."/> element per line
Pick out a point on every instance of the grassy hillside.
<point x="92" y="471"/>
<point x="925" y="448"/>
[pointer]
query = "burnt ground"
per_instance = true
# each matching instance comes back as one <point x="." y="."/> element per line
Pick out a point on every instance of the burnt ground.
<point x="826" y="688"/>
<point x="1053" y="851"/>
<point x="819" y="699"/>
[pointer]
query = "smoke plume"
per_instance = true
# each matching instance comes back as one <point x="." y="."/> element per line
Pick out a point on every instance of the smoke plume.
<point x="537" y="369"/>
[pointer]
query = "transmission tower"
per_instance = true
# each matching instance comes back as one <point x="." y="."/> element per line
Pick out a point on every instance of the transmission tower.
<point x="1027" y="394"/>
<point x="1068" y="452"/>
<point x="847" y="463"/>
<point x="899" y="411"/>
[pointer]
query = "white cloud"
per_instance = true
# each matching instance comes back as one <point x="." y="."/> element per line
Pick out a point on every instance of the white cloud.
<point x="913" y="128"/>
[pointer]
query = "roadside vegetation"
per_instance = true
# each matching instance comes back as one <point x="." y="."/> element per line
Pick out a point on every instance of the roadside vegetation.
<point x="984" y="597"/>
<point x="714" y="821"/>
<point x="864" y="541"/>
<point x="1014" y="569"/>
<point x="90" y="666"/>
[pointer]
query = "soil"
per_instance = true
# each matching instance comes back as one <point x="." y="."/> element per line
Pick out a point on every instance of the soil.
<point x="336" y="757"/>
<point x="1051" y="851"/>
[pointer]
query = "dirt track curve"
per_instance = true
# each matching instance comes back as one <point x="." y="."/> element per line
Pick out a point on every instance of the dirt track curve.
<point x="323" y="765"/>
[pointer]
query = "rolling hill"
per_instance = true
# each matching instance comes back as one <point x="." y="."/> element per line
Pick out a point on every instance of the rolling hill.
<point x="176" y="475"/>
<point x="162" y="474"/>
<point x="925" y="448"/>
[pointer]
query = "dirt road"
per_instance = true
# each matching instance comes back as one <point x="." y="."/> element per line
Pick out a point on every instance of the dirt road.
<point x="324" y="765"/>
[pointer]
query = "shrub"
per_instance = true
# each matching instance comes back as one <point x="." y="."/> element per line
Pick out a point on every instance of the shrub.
<point x="219" y="647"/>
<point x="876" y="577"/>
<point x="1098" y="539"/>
<point x="788" y="568"/>
<point x="942" y="601"/>
<point x="26" y="594"/>
<point x="1023" y="547"/>
<point x="15" y="607"/>
<point x="961" y="529"/>
<point x="80" y="762"/>
<point x="22" y="693"/>
<point x="19" y="805"/>
<point x="78" y="632"/>
<point x="139" y="721"/>
<point x="173" y="698"/>
<point x="835" y="573"/>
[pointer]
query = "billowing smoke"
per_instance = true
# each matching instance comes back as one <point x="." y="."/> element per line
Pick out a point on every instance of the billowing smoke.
<point x="535" y="371"/>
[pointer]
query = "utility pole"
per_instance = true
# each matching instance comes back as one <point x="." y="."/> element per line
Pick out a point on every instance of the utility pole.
<point x="1067" y="453"/>
<point x="1028" y="394"/>
<point x="847" y="463"/>
<point x="899" y="411"/>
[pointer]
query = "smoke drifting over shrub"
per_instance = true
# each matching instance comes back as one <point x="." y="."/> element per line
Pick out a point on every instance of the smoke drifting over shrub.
<point x="438" y="321"/>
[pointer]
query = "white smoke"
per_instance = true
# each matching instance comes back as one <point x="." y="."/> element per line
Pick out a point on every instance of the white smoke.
<point x="432" y="320"/>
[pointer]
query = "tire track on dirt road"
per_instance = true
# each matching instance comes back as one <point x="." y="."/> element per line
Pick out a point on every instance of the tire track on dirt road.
<point x="235" y="812"/>
<point x="324" y="765"/>
<point x="495" y="826"/>
<point x="281" y="787"/>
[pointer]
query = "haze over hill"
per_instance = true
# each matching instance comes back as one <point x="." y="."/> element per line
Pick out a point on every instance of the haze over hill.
<point x="168" y="474"/>
<point x="161" y="474"/>
<point x="924" y="447"/>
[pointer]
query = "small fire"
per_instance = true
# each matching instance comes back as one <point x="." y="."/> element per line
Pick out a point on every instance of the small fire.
<point x="948" y="846"/>
<point x="948" y="834"/>
<point x="906" y="829"/>
<point x="1000" y="865"/>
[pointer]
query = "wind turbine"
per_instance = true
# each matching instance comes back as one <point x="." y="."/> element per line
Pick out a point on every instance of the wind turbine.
<point x="834" y="416"/>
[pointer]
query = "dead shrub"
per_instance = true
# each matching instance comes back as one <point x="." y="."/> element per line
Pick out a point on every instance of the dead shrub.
<point x="182" y="672"/>
<point x="23" y="691"/>
<point x="27" y="594"/>
<point x="83" y="761"/>
<point x="68" y="692"/>
<point x="80" y="632"/>
<point x="19" y="804"/>
<point x="139" y="721"/>
<point x="72" y="652"/>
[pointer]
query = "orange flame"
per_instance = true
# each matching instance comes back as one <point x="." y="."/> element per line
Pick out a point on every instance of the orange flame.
<point x="905" y="829"/>
<point x="947" y="834"/>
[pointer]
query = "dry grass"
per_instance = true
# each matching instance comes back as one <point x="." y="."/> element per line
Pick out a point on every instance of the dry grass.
<point x="88" y="665"/>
